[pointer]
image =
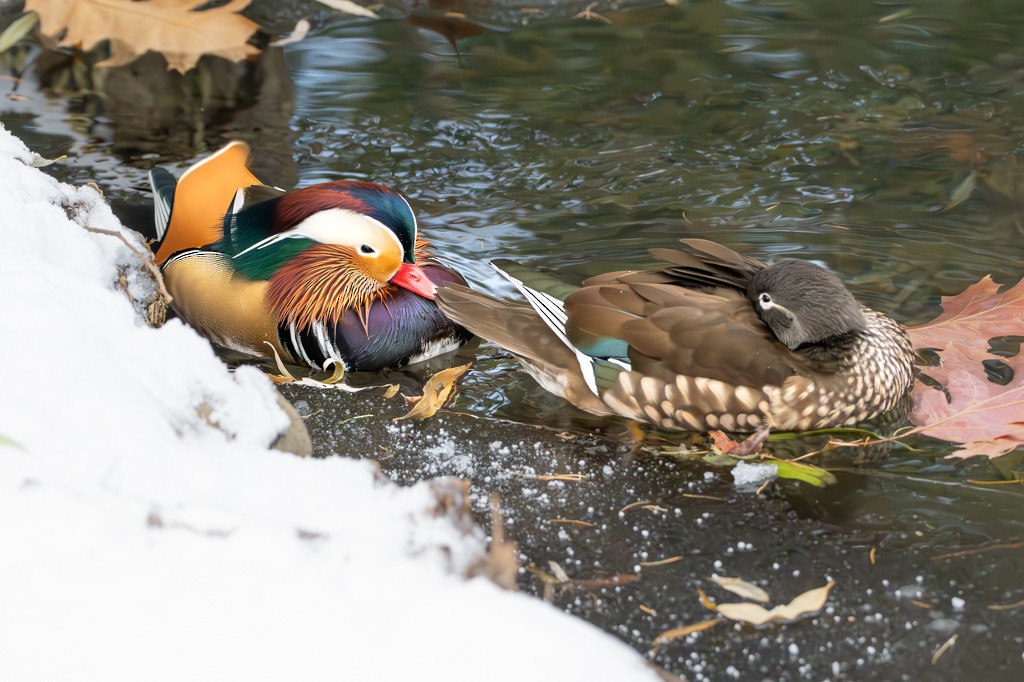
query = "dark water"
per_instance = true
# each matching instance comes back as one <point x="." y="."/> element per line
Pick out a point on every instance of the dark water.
<point x="841" y="132"/>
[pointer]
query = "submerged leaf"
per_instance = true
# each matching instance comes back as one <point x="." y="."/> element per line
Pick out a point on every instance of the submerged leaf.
<point x="811" y="601"/>
<point x="962" y="192"/>
<point x="172" y="27"/>
<point x="438" y="390"/>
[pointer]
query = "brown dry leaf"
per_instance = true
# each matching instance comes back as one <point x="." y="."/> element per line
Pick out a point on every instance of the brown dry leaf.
<point x="170" y="27"/>
<point x="988" y="419"/>
<point x="501" y="564"/>
<point x="438" y="390"/>
<point x="675" y="633"/>
<point x="722" y="442"/>
<point x="742" y="588"/>
<point x="973" y="317"/>
<point x="811" y="601"/>
<point x="451" y="25"/>
<point x="725" y="445"/>
<point x="610" y="581"/>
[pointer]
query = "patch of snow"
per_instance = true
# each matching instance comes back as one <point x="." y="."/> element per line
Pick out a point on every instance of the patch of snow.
<point x="149" y="532"/>
<point x="751" y="475"/>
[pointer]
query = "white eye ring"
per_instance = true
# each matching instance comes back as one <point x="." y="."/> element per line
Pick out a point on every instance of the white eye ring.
<point x="766" y="302"/>
<point x="367" y="250"/>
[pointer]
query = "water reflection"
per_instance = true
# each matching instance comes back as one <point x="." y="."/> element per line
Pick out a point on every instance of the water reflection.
<point x="839" y="132"/>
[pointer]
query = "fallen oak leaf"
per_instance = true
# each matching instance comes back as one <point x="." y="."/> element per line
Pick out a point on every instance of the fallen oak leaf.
<point x="809" y="602"/>
<point x="439" y="389"/>
<point x="974" y="316"/>
<point x="172" y="27"/>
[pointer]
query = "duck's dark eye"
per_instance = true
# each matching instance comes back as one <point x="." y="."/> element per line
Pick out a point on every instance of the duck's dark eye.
<point x="766" y="298"/>
<point x="366" y="248"/>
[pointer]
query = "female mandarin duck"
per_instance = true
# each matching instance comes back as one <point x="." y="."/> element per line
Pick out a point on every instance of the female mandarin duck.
<point x="326" y="271"/>
<point x="713" y="340"/>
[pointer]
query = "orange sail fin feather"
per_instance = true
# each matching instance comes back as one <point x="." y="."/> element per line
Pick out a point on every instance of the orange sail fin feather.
<point x="203" y="196"/>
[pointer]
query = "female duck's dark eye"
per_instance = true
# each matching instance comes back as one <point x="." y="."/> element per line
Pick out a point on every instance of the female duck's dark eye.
<point x="366" y="248"/>
<point x="765" y="298"/>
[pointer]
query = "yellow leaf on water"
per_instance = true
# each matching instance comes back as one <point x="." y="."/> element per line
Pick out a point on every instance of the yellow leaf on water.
<point x="962" y="192"/>
<point x="438" y="390"/>
<point x="171" y="27"/>
<point x="675" y="633"/>
<point x="742" y="588"/>
<point x="336" y="369"/>
<point x="17" y="29"/>
<point x="811" y="601"/>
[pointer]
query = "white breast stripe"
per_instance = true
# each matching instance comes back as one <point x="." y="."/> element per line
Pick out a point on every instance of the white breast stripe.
<point x="327" y="347"/>
<point x="297" y="346"/>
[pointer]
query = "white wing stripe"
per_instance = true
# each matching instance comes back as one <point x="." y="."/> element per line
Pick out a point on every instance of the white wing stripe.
<point x="552" y="312"/>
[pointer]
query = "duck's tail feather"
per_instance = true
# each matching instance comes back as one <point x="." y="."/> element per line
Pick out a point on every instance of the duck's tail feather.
<point x="196" y="204"/>
<point x="523" y="331"/>
<point x="705" y="263"/>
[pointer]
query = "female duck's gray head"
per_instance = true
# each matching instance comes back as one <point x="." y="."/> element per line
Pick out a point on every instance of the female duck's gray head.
<point x="803" y="303"/>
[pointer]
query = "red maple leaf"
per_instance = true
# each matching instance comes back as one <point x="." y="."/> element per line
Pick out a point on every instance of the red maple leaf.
<point x="974" y="316"/>
<point x="987" y="418"/>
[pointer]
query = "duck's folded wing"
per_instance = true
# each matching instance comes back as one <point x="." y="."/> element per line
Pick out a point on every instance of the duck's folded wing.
<point x="671" y="331"/>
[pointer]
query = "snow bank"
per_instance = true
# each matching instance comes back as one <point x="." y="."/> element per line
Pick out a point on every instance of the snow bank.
<point x="148" y="533"/>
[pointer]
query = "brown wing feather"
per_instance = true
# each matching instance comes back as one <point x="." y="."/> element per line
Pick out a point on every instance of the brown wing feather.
<point x="708" y="264"/>
<point x="519" y="329"/>
<point x="674" y="330"/>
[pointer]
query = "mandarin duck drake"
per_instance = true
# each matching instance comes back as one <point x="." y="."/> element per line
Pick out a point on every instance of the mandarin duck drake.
<point x="712" y="340"/>
<point x="330" y="271"/>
